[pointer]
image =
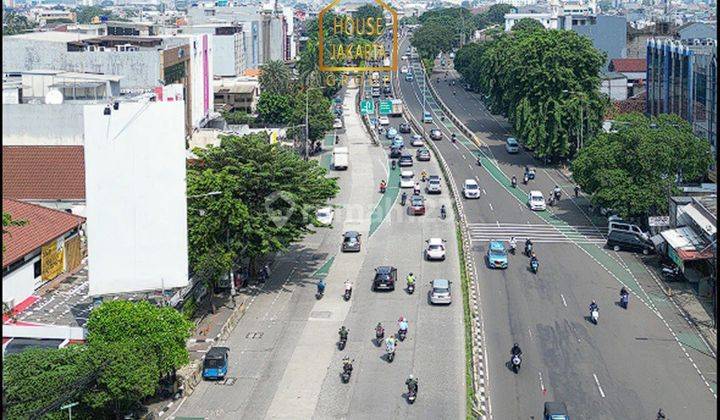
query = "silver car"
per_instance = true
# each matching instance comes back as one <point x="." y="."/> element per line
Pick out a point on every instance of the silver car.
<point x="434" y="186"/>
<point x="440" y="292"/>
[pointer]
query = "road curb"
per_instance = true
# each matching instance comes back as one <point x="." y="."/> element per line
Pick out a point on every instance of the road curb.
<point x="479" y="376"/>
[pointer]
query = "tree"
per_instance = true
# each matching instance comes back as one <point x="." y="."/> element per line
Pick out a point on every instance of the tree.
<point x="238" y="117"/>
<point x="495" y="15"/>
<point x="85" y="14"/>
<point x="35" y="378"/>
<point x="162" y="330"/>
<point x="467" y="60"/>
<point x="276" y="191"/>
<point x="320" y="117"/>
<point x="527" y="24"/>
<point x="14" y="23"/>
<point x="433" y="38"/>
<point x="369" y="11"/>
<point x="633" y="169"/>
<point x="458" y="20"/>
<point x="275" y="78"/>
<point x="274" y="108"/>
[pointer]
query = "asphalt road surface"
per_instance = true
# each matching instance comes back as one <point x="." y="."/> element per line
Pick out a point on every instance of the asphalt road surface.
<point x="626" y="367"/>
<point x="284" y="362"/>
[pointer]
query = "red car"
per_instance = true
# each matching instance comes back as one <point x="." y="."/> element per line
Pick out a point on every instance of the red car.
<point x="417" y="205"/>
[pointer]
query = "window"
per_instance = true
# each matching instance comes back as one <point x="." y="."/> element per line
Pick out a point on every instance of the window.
<point x="37" y="268"/>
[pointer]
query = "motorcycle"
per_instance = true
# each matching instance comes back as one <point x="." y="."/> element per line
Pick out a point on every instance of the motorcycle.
<point x="624" y="300"/>
<point x="525" y="179"/>
<point x="512" y="249"/>
<point x="516" y="361"/>
<point x="342" y="343"/>
<point x="534" y="266"/>
<point x="320" y="293"/>
<point x="443" y="214"/>
<point x="411" y="396"/>
<point x="513" y="183"/>
<point x="556" y="193"/>
<point x="594" y="316"/>
<point x="528" y="249"/>
<point x="479" y="161"/>
<point x="382" y="189"/>
<point x="403" y="199"/>
<point x="345" y="375"/>
<point x="671" y="272"/>
<point x="393" y="164"/>
<point x="390" y="355"/>
<point x="401" y="335"/>
<point x="347" y="294"/>
<point x="551" y="201"/>
<point x="411" y="288"/>
<point x="379" y="333"/>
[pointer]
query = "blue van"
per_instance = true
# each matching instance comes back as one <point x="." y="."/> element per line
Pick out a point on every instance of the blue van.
<point x="215" y="365"/>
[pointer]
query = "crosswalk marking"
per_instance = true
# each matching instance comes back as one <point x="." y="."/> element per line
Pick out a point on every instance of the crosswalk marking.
<point x="541" y="233"/>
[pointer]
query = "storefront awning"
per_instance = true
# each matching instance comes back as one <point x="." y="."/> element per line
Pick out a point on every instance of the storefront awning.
<point x="687" y="244"/>
<point x="706" y="225"/>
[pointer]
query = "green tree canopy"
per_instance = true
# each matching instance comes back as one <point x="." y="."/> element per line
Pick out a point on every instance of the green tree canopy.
<point x="85" y="14"/>
<point x="15" y="23"/>
<point x="163" y="330"/>
<point x="274" y="108"/>
<point x="467" y="60"/>
<point x="275" y="78"/>
<point x="368" y="11"/>
<point x="320" y="117"/>
<point x="527" y="24"/>
<point x="495" y="15"/>
<point x="432" y="38"/>
<point x="633" y="169"/>
<point x="269" y="192"/>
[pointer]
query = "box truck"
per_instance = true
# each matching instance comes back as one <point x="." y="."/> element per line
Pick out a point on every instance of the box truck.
<point x="341" y="157"/>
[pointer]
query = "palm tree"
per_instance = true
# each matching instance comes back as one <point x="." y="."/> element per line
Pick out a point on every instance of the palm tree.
<point x="275" y="77"/>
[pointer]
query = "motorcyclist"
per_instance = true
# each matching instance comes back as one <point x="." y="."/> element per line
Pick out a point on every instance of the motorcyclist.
<point x="348" y="284"/>
<point x="343" y="333"/>
<point x="443" y="212"/>
<point x="347" y="365"/>
<point x="412" y="384"/>
<point x="416" y="189"/>
<point x="393" y="164"/>
<point x="660" y="415"/>
<point x="577" y="191"/>
<point x="403" y="325"/>
<point x="403" y="198"/>
<point x="513" y="243"/>
<point x="423" y="175"/>
<point x="594" y="307"/>
<point x="623" y="292"/>
<point x="556" y="192"/>
<point x="321" y="286"/>
<point x="453" y="137"/>
<point x="390" y="343"/>
<point x="383" y="185"/>
<point x="410" y="280"/>
<point x="515" y="350"/>
<point x="528" y="245"/>
<point x="526" y="178"/>
<point x="534" y="260"/>
<point x="379" y="329"/>
<point x="513" y="181"/>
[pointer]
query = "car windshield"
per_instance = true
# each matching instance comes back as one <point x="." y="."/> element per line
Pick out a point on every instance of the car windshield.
<point x="536" y="198"/>
<point x="406" y="177"/>
<point x="351" y="239"/>
<point x="435" y="247"/>
<point x="323" y="213"/>
<point x="213" y="363"/>
<point x="441" y="290"/>
<point x="497" y="252"/>
<point x="416" y="201"/>
<point x="471" y="186"/>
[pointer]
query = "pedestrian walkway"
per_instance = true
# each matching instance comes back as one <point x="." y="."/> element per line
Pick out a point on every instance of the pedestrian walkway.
<point x="538" y="233"/>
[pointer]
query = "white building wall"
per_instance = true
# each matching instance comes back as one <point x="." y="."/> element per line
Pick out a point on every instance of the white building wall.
<point x="615" y="88"/>
<point x="138" y="239"/>
<point x="21" y="283"/>
<point x="201" y="71"/>
<point x="42" y="125"/>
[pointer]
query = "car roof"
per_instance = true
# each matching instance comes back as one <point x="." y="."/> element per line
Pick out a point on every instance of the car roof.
<point x="350" y="233"/>
<point x="495" y="243"/>
<point x="511" y="139"/>
<point x="216" y="352"/>
<point x="385" y="269"/>
<point x="407" y="173"/>
<point x="552" y="407"/>
<point x="423" y="150"/>
<point x="441" y="283"/>
<point x="435" y="241"/>
<point x="535" y="192"/>
<point x="470" y="181"/>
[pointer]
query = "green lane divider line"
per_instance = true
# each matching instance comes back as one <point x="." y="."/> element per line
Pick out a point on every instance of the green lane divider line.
<point x="329" y="140"/>
<point x="692" y="340"/>
<point x="386" y="201"/>
<point x="323" y="271"/>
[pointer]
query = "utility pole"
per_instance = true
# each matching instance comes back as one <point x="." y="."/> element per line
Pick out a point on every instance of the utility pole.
<point x="307" y="127"/>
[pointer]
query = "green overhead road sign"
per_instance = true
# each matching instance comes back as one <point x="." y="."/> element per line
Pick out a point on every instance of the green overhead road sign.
<point x="367" y="107"/>
<point x="385" y="107"/>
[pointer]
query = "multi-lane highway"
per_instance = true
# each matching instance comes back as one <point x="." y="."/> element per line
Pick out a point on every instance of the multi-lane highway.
<point x="630" y="364"/>
<point x="284" y="362"/>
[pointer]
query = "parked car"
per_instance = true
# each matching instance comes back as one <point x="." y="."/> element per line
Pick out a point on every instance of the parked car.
<point x="385" y="278"/>
<point x="440" y="292"/>
<point x="435" y="249"/>
<point x="407" y="179"/>
<point x="435" y="134"/>
<point x="427" y="118"/>
<point x="417" y="140"/>
<point x="351" y="241"/>
<point x="391" y="133"/>
<point x="434" y="185"/>
<point x="536" y="201"/>
<point x="555" y="411"/>
<point x="325" y="215"/>
<point x="629" y="241"/>
<point x="471" y="189"/>
<point x="383" y="120"/>
<point x="511" y="145"/>
<point x="497" y="255"/>
<point x="417" y="205"/>
<point x="404" y="128"/>
<point x="215" y="364"/>
<point x="423" y="155"/>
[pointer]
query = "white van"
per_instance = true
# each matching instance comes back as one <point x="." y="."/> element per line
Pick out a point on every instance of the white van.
<point x="341" y="157"/>
<point x="621" y="225"/>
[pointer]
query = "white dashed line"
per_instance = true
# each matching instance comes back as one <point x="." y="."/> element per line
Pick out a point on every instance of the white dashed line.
<point x="563" y="299"/>
<point x="491" y="208"/>
<point x="602" y="394"/>
<point x="542" y="385"/>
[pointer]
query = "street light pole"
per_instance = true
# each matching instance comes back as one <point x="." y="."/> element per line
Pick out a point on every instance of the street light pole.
<point x="307" y="127"/>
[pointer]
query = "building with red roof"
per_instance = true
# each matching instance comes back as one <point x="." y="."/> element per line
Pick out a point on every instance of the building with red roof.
<point x="47" y="245"/>
<point x="635" y="69"/>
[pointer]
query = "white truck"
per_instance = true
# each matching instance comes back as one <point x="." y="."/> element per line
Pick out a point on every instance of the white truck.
<point x="397" y="106"/>
<point x="341" y="157"/>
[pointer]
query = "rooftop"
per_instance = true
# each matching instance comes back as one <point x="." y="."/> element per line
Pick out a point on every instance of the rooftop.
<point x="43" y="172"/>
<point x="50" y="36"/>
<point x="628" y="65"/>
<point x="43" y="225"/>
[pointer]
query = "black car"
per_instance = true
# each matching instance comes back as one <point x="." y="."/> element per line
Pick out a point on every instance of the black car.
<point x="385" y="278"/>
<point x="395" y="152"/>
<point x="629" y="241"/>
<point x="404" y="128"/>
<point x="387" y="90"/>
<point x="405" y="160"/>
<point x="422" y="154"/>
<point x="351" y="241"/>
<point x="555" y="411"/>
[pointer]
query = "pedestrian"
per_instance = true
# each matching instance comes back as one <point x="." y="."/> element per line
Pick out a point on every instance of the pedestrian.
<point x="577" y="191"/>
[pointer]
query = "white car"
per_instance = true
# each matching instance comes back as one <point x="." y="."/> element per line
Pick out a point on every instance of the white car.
<point x="403" y="69"/>
<point x="536" y="201"/>
<point x="325" y="215"/>
<point x="435" y="249"/>
<point x="383" y="120"/>
<point x="404" y="57"/>
<point x="471" y="189"/>
<point x="407" y="179"/>
<point x="416" y="140"/>
<point x="511" y="145"/>
<point x="337" y="123"/>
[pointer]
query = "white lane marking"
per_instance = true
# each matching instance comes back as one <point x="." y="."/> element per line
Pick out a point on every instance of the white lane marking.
<point x="542" y="385"/>
<point x="178" y="407"/>
<point x="602" y="394"/>
<point x="463" y="156"/>
<point x="484" y="193"/>
<point x="498" y="223"/>
<point x="490" y="204"/>
<point x="563" y="299"/>
<point x="530" y="332"/>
